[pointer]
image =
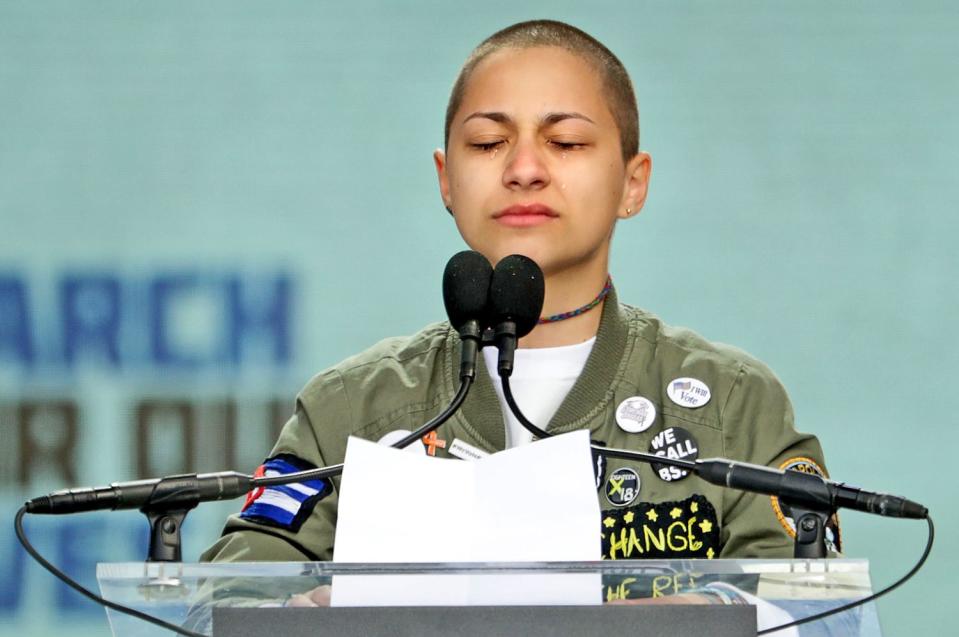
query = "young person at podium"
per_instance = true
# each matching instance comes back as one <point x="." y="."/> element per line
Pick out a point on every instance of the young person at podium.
<point x="542" y="158"/>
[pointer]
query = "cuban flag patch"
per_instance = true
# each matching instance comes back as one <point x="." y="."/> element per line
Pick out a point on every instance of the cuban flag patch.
<point x="284" y="506"/>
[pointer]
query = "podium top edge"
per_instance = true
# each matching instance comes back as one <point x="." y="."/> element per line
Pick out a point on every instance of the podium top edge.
<point x="312" y="569"/>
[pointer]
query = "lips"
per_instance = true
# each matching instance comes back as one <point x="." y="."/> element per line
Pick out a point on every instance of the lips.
<point x="525" y="215"/>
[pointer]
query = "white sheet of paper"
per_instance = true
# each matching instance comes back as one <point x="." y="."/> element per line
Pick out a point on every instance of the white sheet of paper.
<point x="531" y="503"/>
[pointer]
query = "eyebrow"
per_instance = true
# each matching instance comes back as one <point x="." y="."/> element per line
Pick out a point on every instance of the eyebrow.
<point x="548" y="119"/>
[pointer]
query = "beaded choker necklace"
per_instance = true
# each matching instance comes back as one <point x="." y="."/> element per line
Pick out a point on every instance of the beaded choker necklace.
<point x="580" y="310"/>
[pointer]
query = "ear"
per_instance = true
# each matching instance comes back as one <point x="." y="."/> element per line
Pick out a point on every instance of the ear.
<point x="636" y="186"/>
<point x="439" y="160"/>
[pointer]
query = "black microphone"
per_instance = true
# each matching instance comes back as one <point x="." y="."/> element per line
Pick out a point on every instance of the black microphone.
<point x="796" y="487"/>
<point x="466" y="284"/>
<point x="181" y="491"/>
<point x="516" y="301"/>
<point x="805" y="489"/>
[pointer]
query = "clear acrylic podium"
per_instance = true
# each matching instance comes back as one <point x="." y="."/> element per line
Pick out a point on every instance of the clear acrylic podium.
<point x="500" y="598"/>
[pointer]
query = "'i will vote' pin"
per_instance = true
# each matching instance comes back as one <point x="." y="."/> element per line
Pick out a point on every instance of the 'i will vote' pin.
<point x="688" y="392"/>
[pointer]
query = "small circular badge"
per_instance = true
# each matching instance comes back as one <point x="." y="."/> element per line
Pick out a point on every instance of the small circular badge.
<point x="688" y="392"/>
<point x="622" y="487"/>
<point x="675" y="443"/>
<point x="635" y="414"/>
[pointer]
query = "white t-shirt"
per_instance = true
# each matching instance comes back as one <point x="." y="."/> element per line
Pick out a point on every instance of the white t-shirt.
<point x="540" y="381"/>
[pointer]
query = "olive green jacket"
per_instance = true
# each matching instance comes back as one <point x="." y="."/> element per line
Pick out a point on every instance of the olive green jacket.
<point x="402" y="382"/>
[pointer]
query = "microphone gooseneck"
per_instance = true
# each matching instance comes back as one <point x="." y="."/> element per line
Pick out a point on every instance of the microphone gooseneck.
<point x="520" y="416"/>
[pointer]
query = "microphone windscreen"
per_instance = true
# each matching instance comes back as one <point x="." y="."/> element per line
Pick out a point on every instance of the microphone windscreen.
<point x="466" y="282"/>
<point x="516" y="293"/>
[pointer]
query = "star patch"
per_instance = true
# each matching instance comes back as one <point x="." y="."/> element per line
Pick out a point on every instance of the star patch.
<point x="674" y="530"/>
<point x="284" y="506"/>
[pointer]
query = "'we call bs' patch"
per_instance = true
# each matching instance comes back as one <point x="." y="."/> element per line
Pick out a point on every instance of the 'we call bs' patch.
<point x="284" y="506"/>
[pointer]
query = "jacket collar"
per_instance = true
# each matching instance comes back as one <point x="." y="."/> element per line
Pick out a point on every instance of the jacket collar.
<point x="591" y="395"/>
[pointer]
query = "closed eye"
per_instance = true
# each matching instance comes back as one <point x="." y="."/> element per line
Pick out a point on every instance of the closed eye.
<point x="566" y="145"/>
<point x="486" y="146"/>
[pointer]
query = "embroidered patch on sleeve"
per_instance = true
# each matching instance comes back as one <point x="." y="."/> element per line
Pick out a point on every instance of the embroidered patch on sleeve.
<point x="683" y="529"/>
<point x="284" y="506"/>
<point x="784" y="514"/>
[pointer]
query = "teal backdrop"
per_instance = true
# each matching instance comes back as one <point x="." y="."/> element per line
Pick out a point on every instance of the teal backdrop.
<point x="204" y="203"/>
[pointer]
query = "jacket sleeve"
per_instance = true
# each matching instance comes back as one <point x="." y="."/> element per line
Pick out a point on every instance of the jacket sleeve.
<point x="758" y="428"/>
<point x="309" y="537"/>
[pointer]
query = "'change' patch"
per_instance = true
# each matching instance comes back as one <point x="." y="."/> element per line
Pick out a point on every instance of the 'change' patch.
<point x="673" y="530"/>
<point x="284" y="506"/>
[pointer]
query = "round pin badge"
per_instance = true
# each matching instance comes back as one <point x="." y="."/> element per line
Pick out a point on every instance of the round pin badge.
<point x="675" y="443"/>
<point x="622" y="487"/>
<point x="635" y="414"/>
<point x="688" y="392"/>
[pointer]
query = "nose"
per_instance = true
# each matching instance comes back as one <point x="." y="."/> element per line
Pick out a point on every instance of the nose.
<point x="526" y="167"/>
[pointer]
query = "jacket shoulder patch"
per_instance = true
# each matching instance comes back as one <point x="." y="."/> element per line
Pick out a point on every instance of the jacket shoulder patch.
<point x="284" y="506"/>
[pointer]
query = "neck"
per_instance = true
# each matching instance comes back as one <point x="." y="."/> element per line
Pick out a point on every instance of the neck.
<point x="565" y="292"/>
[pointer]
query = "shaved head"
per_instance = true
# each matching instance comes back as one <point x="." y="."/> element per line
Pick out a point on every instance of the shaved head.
<point x="617" y="86"/>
